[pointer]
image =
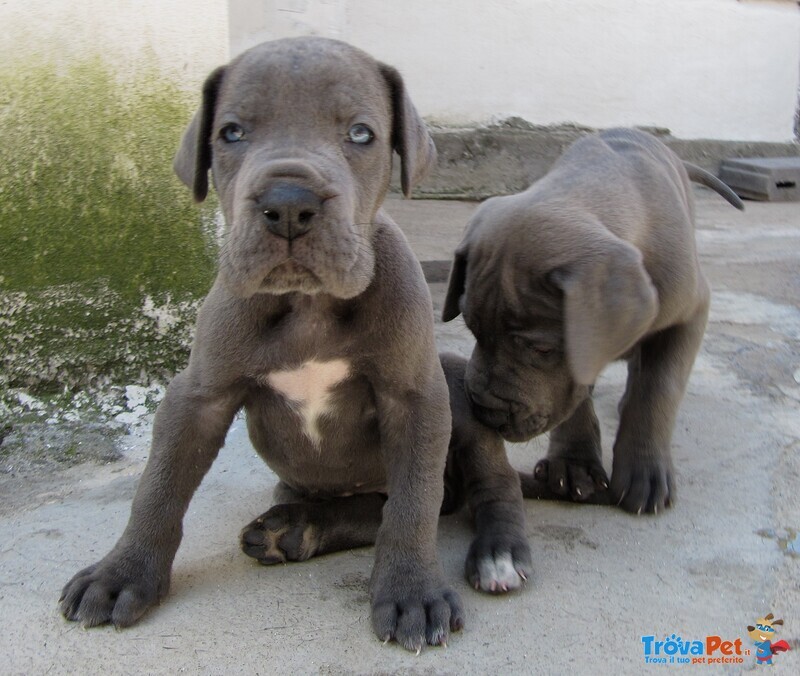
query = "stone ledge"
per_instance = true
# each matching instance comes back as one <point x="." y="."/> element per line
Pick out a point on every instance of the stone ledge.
<point x="480" y="162"/>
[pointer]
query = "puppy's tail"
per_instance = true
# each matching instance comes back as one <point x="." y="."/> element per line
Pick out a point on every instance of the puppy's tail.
<point x="699" y="175"/>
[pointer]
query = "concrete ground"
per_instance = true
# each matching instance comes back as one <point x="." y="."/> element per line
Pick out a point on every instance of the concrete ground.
<point x="724" y="555"/>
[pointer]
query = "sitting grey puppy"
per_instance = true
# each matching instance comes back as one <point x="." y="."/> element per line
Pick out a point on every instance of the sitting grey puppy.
<point x="594" y="262"/>
<point x="319" y="325"/>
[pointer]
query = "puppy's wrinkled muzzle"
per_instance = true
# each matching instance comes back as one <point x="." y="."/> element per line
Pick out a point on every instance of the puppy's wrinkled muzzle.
<point x="523" y="427"/>
<point x="512" y="420"/>
<point x="488" y="408"/>
<point x="491" y="417"/>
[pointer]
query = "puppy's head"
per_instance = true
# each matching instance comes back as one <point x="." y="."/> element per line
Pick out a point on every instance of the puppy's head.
<point x="551" y="297"/>
<point x="298" y="135"/>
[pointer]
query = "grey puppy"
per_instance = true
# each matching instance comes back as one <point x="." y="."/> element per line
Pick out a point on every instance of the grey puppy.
<point x="319" y="325"/>
<point x="594" y="262"/>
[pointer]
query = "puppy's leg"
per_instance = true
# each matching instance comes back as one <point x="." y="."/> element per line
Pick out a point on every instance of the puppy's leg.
<point x="189" y="429"/>
<point x="412" y="601"/>
<point x="298" y="528"/>
<point x="499" y="558"/>
<point x="642" y="477"/>
<point x="573" y="468"/>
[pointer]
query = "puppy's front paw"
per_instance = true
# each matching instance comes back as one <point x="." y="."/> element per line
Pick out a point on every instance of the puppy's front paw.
<point x="577" y="479"/>
<point x="414" y="609"/>
<point x="498" y="563"/>
<point x="118" y="590"/>
<point x="283" y="533"/>
<point x="643" y="485"/>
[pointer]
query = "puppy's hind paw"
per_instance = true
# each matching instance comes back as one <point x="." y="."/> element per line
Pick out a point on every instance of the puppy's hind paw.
<point x="282" y="534"/>
<point x="579" y="480"/>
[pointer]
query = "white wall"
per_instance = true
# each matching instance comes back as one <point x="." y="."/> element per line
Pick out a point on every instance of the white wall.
<point x="185" y="39"/>
<point x="720" y="69"/>
<point x="724" y="69"/>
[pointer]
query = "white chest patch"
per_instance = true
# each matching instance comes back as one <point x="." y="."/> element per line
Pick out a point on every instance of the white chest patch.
<point x="308" y="388"/>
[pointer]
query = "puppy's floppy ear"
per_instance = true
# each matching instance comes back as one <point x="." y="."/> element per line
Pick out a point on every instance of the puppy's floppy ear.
<point x="193" y="159"/>
<point x="609" y="303"/>
<point x="410" y="137"/>
<point x="455" y="286"/>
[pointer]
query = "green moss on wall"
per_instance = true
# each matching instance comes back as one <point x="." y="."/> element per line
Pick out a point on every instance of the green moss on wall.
<point x="76" y="335"/>
<point x="86" y="182"/>
<point x="103" y="254"/>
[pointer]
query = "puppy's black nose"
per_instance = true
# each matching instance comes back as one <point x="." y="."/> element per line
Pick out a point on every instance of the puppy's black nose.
<point x="289" y="210"/>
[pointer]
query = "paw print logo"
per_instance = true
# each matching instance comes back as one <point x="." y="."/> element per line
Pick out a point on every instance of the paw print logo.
<point x="672" y="644"/>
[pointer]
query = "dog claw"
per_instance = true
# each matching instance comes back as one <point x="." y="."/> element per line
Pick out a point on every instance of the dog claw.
<point x="522" y="575"/>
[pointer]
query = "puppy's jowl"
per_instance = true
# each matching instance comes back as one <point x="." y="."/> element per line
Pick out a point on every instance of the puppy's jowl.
<point x="595" y="262"/>
<point x="320" y="326"/>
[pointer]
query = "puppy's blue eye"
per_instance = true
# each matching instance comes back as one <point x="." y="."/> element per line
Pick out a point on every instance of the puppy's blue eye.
<point x="361" y="134"/>
<point x="232" y="133"/>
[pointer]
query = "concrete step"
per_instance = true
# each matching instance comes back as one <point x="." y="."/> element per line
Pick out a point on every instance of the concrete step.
<point x="770" y="179"/>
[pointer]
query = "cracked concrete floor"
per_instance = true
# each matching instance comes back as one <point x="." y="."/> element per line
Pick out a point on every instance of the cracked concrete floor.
<point x="723" y="556"/>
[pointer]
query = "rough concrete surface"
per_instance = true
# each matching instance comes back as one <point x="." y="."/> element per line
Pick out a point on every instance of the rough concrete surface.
<point x="506" y="157"/>
<point x="724" y="555"/>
